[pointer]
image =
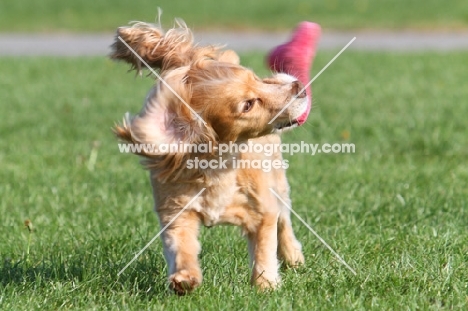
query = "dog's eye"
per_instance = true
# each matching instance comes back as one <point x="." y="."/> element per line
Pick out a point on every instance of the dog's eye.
<point x="249" y="104"/>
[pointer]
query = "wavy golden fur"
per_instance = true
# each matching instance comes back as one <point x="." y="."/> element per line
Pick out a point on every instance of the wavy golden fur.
<point x="206" y="97"/>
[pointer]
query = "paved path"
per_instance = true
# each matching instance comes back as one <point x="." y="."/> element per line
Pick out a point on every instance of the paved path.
<point x="98" y="44"/>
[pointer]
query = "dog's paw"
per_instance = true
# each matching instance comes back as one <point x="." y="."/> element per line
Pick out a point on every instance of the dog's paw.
<point x="292" y="258"/>
<point x="183" y="282"/>
<point x="263" y="284"/>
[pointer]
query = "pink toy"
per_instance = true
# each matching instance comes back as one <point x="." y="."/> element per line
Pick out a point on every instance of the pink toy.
<point x="296" y="56"/>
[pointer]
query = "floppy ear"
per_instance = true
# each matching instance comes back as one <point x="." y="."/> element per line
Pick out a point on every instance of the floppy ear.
<point x="161" y="50"/>
<point x="229" y="56"/>
<point x="158" y="49"/>
<point x="165" y="119"/>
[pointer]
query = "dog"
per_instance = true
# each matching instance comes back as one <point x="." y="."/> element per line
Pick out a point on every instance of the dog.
<point x="205" y="96"/>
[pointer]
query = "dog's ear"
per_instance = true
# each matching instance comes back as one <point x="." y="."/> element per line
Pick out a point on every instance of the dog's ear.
<point x="229" y="56"/>
<point x="162" y="50"/>
<point x="166" y="118"/>
<point x="158" y="49"/>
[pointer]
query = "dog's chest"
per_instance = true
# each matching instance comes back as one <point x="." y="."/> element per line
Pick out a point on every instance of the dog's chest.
<point x="214" y="202"/>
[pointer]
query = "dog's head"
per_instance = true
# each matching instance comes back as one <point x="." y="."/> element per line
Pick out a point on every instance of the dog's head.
<point x="204" y="95"/>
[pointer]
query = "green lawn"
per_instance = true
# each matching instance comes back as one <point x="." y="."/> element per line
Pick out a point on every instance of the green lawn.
<point x="91" y="15"/>
<point x="396" y="210"/>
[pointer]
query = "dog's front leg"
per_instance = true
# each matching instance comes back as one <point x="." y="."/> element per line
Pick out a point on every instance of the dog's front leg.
<point x="262" y="249"/>
<point x="181" y="249"/>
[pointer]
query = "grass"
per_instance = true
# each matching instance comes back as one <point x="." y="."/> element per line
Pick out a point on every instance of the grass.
<point x="89" y="15"/>
<point x="396" y="210"/>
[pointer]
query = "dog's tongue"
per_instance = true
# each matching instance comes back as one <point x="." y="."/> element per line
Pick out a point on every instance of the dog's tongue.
<point x="296" y="56"/>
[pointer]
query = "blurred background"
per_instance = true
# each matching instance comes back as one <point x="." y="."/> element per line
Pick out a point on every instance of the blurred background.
<point x="83" y="27"/>
<point x="275" y="15"/>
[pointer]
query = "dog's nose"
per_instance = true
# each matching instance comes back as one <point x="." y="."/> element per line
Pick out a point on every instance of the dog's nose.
<point x="296" y="88"/>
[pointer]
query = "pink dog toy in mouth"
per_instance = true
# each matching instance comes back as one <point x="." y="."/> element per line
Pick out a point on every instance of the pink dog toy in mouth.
<point x="296" y="56"/>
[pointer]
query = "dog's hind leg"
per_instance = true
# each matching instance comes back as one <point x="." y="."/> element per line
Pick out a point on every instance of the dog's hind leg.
<point x="181" y="249"/>
<point x="289" y="248"/>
